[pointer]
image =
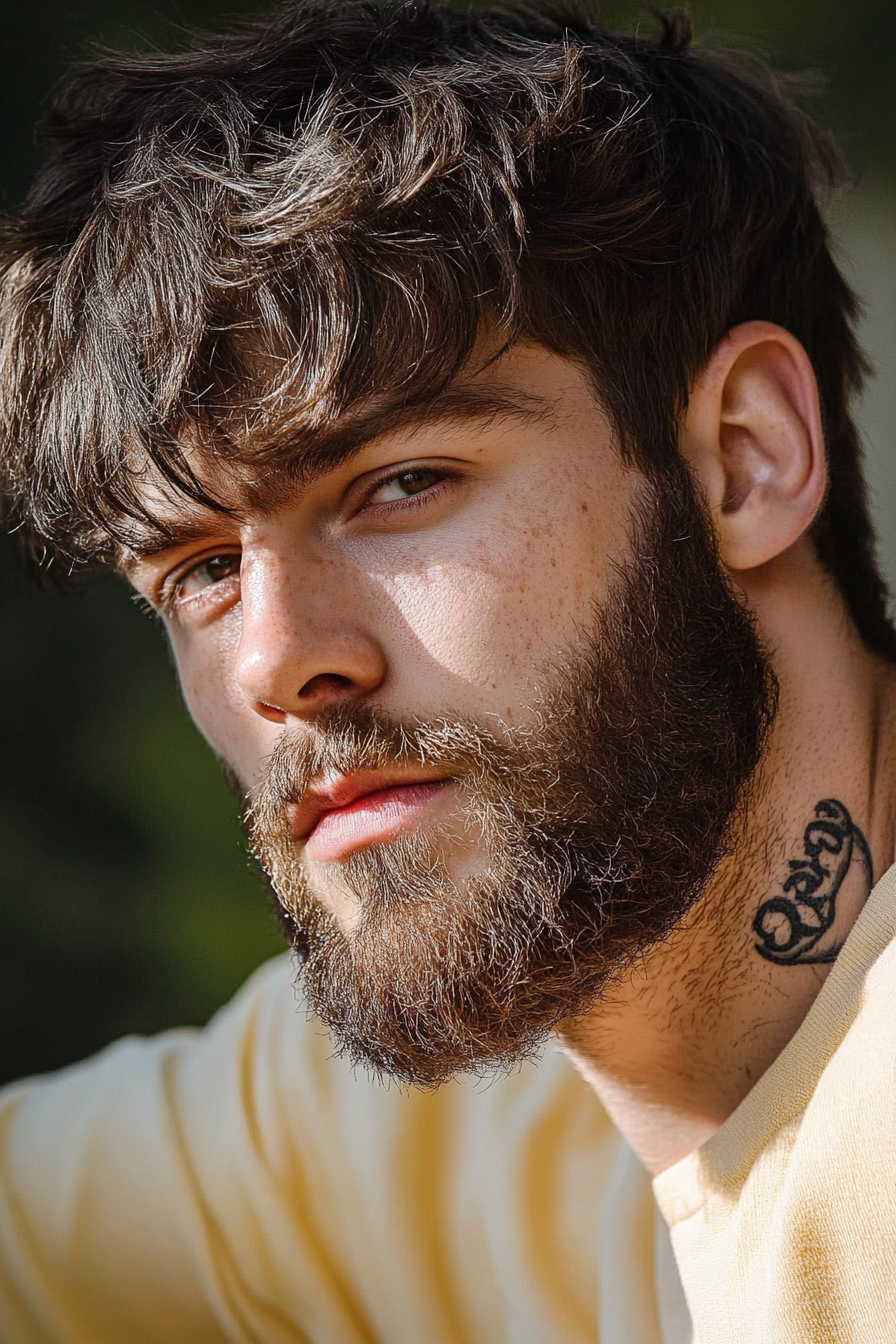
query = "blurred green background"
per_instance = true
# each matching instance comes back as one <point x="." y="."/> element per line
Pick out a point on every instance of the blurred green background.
<point x="126" y="898"/>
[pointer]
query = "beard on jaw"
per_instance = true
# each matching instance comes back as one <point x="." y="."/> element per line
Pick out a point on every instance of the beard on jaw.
<point x="595" y="827"/>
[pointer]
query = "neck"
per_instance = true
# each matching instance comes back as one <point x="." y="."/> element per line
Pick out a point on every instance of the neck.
<point x="677" y="1042"/>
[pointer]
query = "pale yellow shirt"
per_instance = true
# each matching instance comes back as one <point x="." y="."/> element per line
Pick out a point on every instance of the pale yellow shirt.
<point x="784" y="1223"/>
<point x="242" y="1184"/>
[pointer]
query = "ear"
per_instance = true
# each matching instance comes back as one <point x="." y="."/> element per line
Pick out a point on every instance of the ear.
<point x="752" y="438"/>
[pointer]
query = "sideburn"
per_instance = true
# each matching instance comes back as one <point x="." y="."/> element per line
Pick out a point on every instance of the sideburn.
<point x="600" y="823"/>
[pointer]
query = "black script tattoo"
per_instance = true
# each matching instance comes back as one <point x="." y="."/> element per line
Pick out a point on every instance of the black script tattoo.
<point x="789" y="926"/>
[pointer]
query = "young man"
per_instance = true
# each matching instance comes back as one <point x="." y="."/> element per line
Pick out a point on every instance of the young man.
<point x="469" y="395"/>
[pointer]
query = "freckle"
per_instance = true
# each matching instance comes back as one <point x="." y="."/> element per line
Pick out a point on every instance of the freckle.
<point x="584" y="508"/>
<point x="522" y="587"/>
<point x="553" y="564"/>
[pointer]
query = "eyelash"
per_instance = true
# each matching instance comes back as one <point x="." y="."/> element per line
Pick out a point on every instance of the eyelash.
<point x="168" y="597"/>
<point x="416" y="501"/>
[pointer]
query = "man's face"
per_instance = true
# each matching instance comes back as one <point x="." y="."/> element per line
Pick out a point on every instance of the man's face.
<point x="488" y="743"/>
<point x="435" y="572"/>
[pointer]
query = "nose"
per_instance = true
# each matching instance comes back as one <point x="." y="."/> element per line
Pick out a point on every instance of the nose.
<point x="306" y="642"/>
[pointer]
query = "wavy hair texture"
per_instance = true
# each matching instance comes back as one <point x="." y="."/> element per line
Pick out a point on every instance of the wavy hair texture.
<point x="237" y="246"/>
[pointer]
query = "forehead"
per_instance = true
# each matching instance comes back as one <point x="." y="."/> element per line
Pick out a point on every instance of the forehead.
<point x="528" y="385"/>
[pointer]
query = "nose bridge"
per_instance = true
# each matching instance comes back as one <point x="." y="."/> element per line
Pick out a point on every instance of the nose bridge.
<point x="304" y="637"/>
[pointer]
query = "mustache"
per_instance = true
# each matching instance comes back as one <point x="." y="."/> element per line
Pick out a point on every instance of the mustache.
<point x="354" y="738"/>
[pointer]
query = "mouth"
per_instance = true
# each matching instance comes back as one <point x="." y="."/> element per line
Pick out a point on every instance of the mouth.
<point x="356" y="812"/>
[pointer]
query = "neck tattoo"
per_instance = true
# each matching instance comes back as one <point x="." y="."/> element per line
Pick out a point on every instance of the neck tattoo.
<point x="794" y="926"/>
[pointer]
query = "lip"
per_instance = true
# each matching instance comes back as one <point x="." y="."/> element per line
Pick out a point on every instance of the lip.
<point x="358" y="810"/>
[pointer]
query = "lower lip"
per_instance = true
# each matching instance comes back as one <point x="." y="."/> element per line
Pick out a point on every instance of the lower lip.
<point x="370" y="819"/>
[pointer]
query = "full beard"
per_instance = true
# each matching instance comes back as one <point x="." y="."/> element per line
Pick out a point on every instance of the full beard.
<point x="591" y="831"/>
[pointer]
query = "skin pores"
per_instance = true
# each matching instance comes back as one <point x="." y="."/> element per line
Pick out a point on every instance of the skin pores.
<point x="447" y="600"/>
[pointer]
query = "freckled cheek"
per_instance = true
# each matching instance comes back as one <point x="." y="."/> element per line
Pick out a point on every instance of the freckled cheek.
<point x="206" y="668"/>
<point x="453" y="616"/>
<point x="495" y="628"/>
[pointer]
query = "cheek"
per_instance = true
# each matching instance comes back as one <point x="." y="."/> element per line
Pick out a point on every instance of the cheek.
<point x="215" y="701"/>
<point x="516" y="598"/>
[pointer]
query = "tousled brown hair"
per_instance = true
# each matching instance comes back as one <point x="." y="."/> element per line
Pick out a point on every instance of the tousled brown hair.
<point x="242" y="243"/>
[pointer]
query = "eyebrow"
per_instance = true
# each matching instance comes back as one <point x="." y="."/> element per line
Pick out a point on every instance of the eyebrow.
<point x="482" y="403"/>
<point x="485" y="404"/>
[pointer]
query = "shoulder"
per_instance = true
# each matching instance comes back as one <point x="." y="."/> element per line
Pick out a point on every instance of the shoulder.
<point x="167" y="1176"/>
<point x="266" y="1052"/>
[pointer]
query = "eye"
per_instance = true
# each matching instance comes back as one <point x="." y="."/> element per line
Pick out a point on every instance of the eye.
<point x="406" y="485"/>
<point x="213" y="569"/>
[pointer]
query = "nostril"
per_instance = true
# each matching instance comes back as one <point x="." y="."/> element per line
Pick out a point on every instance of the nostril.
<point x="325" y="683"/>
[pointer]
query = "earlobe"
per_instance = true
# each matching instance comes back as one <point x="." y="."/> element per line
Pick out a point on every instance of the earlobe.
<point x="753" y="439"/>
